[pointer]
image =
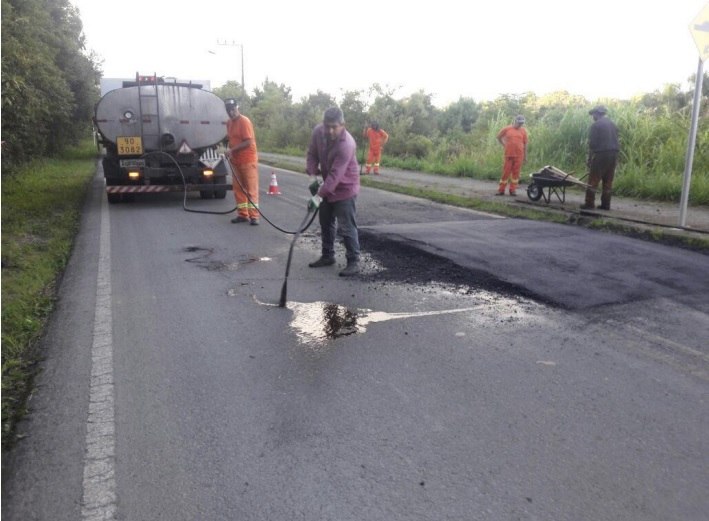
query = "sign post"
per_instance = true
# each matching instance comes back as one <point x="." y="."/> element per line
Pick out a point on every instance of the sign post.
<point x="700" y="32"/>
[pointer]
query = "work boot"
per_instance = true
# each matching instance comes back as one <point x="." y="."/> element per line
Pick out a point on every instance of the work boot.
<point x="254" y="221"/>
<point x="322" y="261"/>
<point x="587" y="206"/>
<point x="352" y="268"/>
<point x="499" y="193"/>
<point x="240" y="219"/>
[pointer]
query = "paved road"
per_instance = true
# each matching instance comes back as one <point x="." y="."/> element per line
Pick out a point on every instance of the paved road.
<point x="480" y="368"/>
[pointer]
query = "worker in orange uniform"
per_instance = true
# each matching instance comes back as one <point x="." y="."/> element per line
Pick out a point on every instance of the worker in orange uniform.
<point x="243" y="157"/>
<point x="514" y="140"/>
<point x="377" y="137"/>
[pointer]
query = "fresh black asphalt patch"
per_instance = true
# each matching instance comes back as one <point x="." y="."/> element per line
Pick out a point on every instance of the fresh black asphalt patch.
<point x="566" y="266"/>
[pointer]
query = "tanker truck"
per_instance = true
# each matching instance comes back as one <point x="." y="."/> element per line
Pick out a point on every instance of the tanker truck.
<point x="161" y="136"/>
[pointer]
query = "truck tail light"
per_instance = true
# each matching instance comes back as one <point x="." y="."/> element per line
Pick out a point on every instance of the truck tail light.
<point x="133" y="174"/>
<point x="208" y="172"/>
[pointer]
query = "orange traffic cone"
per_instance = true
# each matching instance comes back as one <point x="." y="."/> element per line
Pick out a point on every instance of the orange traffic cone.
<point x="273" y="187"/>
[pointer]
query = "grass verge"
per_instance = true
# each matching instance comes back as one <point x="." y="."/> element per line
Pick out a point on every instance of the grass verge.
<point x="41" y="208"/>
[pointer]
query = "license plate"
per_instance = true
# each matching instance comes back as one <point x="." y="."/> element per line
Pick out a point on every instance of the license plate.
<point x="129" y="146"/>
<point x="132" y="163"/>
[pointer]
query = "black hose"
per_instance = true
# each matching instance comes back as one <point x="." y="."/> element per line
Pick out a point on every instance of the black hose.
<point x="303" y="226"/>
<point x="234" y="176"/>
<point x="284" y="289"/>
<point x="184" y="184"/>
<point x="211" y="212"/>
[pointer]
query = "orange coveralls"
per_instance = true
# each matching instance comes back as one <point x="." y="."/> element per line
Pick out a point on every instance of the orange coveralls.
<point x="377" y="138"/>
<point x="245" y="166"/>
<point x="515" y="143"/>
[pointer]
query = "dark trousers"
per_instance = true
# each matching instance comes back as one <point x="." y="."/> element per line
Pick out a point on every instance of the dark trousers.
<point x="601" y="171"/>
<point x="342" y="215"/>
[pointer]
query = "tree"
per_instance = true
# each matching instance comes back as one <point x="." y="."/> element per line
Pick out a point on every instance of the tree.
<point x="272" y="114"/>
<point x="233" y="89"/>
<point x="459" y="116"/>
<point x="353" y="107"/>
<point x="49" y="82"/>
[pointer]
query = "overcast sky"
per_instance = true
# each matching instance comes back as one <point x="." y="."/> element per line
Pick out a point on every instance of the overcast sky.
<point x="448" y="48"/>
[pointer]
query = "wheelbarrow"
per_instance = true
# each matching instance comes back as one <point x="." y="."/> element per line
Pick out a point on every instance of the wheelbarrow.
<point x="552" y="181"/>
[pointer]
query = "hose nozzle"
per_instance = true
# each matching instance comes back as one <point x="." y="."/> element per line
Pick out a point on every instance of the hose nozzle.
<point x="314" y="203"/>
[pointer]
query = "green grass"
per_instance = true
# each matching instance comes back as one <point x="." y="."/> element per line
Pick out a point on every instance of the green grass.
<point x="41" y="207"/>
<point x="661" y="235"/>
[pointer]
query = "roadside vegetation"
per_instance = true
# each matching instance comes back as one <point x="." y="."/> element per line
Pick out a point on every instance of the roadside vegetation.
<point x="41" y="207"/>
<point x="460" y="139"/>
<point x="50" y="84"/>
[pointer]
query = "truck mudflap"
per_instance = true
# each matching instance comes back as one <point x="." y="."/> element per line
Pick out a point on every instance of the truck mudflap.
<point x="135" y="189"/>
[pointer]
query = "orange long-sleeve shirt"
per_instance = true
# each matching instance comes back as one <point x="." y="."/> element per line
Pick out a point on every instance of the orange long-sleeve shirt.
<point x="377" y="138"/>
<point x="514" y="140"/>
<point x="239" y="130"/>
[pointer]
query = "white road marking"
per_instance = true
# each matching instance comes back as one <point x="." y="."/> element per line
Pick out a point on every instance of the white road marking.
<point x="99" y="485"/>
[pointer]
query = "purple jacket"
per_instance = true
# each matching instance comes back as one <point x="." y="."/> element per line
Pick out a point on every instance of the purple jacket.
<point x="336" y="161"/>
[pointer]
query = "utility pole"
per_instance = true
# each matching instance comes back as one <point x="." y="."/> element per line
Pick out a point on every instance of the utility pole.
<point x="232" y="43"/>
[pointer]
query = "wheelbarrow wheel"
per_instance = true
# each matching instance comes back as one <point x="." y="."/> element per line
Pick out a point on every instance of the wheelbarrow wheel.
<point x="534" y="192"/>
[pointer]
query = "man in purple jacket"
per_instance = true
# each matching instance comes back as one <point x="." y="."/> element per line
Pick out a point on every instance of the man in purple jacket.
<point x="332" y="154"/>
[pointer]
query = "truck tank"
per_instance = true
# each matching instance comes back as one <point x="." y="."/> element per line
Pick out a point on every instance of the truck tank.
<point x="171" y="115"/>
<point x="161" y="137"/>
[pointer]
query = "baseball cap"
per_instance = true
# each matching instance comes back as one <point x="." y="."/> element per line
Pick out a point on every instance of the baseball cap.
<point x="598" y="109"/>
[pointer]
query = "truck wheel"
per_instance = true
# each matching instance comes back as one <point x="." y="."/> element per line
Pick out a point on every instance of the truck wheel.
<point x="206" y="194"/>
<point x="220" y="180"/>
<point x="111" y="169"/>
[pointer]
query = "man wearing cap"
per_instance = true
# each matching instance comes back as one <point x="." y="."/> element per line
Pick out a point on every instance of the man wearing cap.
<point x="603" y="148"/>
<point x="513" y="138"/>
<point x="332" y="154"/>
<point x="243" y="157"/>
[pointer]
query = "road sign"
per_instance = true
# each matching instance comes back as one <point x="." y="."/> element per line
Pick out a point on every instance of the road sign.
<point x="700" y="32"/>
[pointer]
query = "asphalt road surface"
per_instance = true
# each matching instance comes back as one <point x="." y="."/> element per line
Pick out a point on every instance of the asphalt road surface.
<point x="478" y="369"/>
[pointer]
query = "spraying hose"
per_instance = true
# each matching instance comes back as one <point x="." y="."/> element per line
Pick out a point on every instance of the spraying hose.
<point x="313" y="206"/>
<point x="184" y="184"/>
<point x="301" y="228"/>
<point x="231" y="210"/>
<point x="234" y="176"/>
